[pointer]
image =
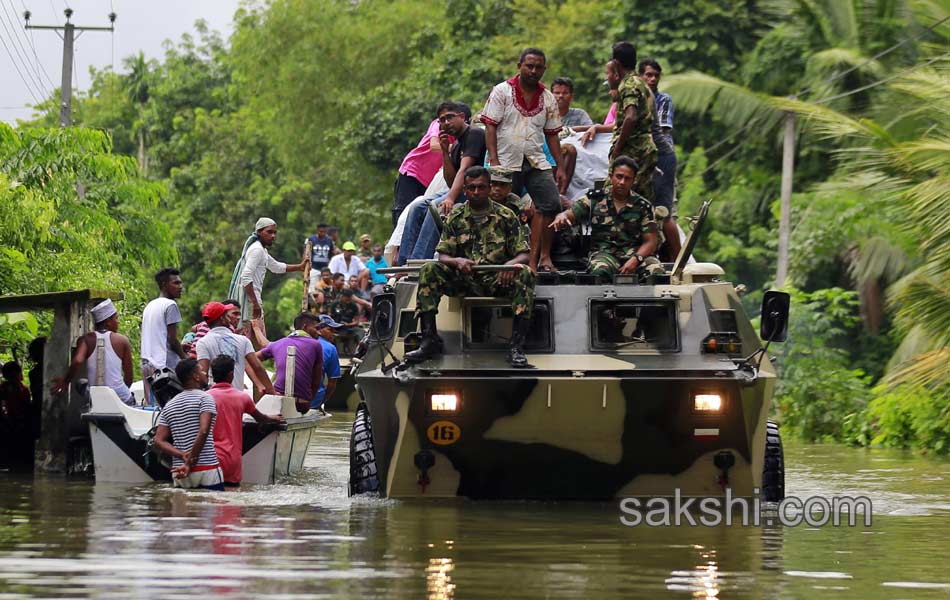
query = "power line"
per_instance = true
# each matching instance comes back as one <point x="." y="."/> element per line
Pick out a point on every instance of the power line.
<point x="832" y="79"/>
<point x="874" y="58"/>
<point x="26" y="83"/>
<point x="17" y="46"/>
<point x="32" y="42"/>
<point x="70" y="70"/>
<point x="35" y="64"/>
<point x="881" y="81"/>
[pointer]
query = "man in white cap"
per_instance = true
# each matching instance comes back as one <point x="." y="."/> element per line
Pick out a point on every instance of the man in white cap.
<point x="116" y="360"/>
<point x="248" y="279"/>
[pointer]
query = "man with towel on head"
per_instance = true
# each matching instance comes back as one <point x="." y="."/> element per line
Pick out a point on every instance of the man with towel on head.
<point x="116" y="359"/>
<point x="248" y="278"/>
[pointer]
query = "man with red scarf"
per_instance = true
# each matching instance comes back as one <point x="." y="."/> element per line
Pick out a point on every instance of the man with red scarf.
<point x="521" y="113"/>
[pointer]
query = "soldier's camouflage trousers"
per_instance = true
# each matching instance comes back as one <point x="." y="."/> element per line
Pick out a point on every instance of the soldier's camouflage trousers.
<point x="603" y="263"/>
<point x="437" y="280"/>
<point x="644" y="183"/>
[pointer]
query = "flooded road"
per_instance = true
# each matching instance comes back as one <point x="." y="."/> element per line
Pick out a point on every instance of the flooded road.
<point x="75" y="539"/>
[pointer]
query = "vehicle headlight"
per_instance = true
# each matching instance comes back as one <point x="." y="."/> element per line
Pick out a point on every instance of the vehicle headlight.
<point x="707" y="402"/>
<point x="444" y="402"/>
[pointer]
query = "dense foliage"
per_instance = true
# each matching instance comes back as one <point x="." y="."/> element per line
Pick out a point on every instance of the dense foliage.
<point x="306" y="111"/>
<point x="76" y="216"/>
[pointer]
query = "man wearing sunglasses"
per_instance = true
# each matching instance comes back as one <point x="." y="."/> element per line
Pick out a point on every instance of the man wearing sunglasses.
<point x="481" y="232"/>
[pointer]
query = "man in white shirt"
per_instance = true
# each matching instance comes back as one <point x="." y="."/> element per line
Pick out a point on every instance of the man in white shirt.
<point x="347" y="263"/>
<point x="220" y="340"/>
<point x="160" y="347"/>
<point x="257" y="261"/>
<point x="520" y="115"/>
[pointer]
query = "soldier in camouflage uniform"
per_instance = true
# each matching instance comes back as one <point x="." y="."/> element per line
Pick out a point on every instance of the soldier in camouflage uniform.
<point x="480" y="232"/>
<point x="332" y="294"/>
<point x="623" y="232"/>
<point x="501" y="193"/>
<point x="347" y="312"/>
<point x="635" y="113"/>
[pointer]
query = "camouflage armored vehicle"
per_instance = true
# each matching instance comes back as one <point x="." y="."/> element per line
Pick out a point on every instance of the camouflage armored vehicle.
<point x="638" y="387"/>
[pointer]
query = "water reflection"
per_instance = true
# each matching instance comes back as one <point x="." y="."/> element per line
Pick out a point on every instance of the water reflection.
<point x="439" y="584"/>
<point x="308" y="540"/>
<point x="702" y="581"/>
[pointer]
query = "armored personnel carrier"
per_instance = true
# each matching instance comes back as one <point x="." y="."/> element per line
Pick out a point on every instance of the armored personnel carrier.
<point x="638" y="387"/>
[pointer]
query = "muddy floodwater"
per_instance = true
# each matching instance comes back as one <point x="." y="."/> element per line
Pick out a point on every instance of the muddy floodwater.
<point x="75" y="539"/>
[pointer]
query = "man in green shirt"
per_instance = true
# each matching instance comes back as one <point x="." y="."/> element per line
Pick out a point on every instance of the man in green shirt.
<point x="623" y="231"/>
<point x="633" y="135"/>
<point x="480" y="232"/>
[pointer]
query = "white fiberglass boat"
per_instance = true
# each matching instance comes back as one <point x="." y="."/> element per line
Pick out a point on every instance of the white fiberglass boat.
<point x="120" y="436"/>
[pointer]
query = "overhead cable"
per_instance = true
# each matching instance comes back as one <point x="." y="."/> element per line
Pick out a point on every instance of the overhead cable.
<point x="20" y="60"/>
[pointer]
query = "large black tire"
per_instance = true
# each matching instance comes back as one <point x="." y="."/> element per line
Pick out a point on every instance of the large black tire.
<point x="364" y="477"/>
<point x="773" y="470"/>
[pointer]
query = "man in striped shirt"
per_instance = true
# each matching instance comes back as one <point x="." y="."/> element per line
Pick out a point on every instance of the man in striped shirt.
<point x="188" y="419"/>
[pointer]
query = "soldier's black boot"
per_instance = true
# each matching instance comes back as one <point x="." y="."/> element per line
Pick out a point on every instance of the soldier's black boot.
<point x="519" y="333"/>
<point x="431" y="344"/>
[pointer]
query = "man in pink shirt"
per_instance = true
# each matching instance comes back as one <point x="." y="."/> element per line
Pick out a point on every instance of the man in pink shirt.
<point x="232" y="405"/>
<point x="418" y="169"/>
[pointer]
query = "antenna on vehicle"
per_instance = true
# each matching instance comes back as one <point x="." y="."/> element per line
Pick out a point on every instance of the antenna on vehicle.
<point x="687" y="250"/>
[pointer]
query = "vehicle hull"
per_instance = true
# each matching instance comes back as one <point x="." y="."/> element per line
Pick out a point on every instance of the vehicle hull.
<point x="560" y="436"/>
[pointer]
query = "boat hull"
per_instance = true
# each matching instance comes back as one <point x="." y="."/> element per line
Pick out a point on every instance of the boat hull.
<point x="119" y="436"/>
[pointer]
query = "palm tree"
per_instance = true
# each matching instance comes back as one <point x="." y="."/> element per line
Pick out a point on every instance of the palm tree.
<point x="840" y="33"/>
<point x="137" y="88"/>
<point x="902" y="164"/>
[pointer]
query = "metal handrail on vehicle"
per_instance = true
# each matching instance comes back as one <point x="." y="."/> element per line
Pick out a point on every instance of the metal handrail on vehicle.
<point x="476" y="269"/>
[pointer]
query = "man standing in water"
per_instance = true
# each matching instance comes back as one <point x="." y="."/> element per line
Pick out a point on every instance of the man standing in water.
<point x="160" y="346"/>
<point x="185" y="431"/>
<point x="231" y="406"/>
<point x="519" y="116"/>
<point x="248" y="279"/>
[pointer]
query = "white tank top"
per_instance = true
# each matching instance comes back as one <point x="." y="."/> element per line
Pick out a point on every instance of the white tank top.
<point x="112" y="371"/>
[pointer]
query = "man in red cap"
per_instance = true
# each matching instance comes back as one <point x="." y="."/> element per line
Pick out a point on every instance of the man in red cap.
<point x="220" y="340"/>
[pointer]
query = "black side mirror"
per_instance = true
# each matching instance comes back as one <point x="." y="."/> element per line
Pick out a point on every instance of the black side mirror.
<point x="774" y="325"/>
<point x="383" y="324"/>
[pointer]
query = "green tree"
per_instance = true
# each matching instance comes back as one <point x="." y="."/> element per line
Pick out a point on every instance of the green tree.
<point x="136" y="85"/>
<point x="77" y="216"/>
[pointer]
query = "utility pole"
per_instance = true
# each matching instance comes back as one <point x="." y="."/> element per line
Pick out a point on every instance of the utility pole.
<point x="784" y="221"/>
<point x="69" y="36"/>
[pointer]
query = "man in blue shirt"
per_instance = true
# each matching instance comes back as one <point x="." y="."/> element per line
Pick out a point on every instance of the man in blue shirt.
<point x="664" y="182"/>
<point x="322" y="250"/>
<point x="327" y="330"/>
<point x="377" y="262"/>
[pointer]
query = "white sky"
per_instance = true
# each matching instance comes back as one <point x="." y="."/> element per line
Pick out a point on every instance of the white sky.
<point x="141" y="25"/>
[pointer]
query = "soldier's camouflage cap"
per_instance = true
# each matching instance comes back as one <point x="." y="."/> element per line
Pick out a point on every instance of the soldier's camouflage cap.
<point x="500" y="174"/>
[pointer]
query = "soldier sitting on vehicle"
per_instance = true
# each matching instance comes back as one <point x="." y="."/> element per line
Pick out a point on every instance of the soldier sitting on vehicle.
<point x="480" y="232"/>
<point x="500" y="192"/>
<point x="623" y="231"/>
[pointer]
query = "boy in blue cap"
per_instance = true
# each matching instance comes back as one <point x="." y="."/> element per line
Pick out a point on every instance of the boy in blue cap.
<point x="327" y="329"/>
